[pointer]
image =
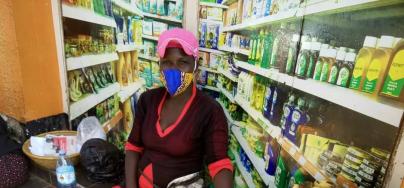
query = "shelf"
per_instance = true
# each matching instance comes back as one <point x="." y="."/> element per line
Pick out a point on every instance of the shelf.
<point x="210" y="50"/>
<point x="130" y="7"/>
<point x="128" y="47"/>
<point x="301" y="160"/>
<point x="112" y="123"/>
<point x="83" y="105"/>
<point x="148" y="57"/>
<point x="381" y="109"/>
<point x="129" y="90"/>
<point x="89" y="60"/>
<point x="258" y="163"/>
<point x="228" y="116"/>
<point x="209" y="88"/>
<point x="213" y="5"/>
<point x="228" y="2"/>
<point x="164" y="18"/>
<point x="228" y="75"/>
<point x="235" y="50"/>
<point x="272" y="130"/>
<point x="208" y="69"/>
<point x="217" y="22"/>
<point x="247" y="176"/>
<point x="150" y="37"/>
<point x="323" y="8"/>
<point x="226" y="93"/>
<point x="86" y="15"/>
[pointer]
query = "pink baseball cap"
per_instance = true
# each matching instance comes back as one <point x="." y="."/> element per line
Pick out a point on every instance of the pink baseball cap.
<point x="178" y="38"/>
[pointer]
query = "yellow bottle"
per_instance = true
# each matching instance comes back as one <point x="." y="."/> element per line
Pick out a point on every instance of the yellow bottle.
<point x="378" y="66"/>
<point x="134" y="65"/>
<point x="394" y="79"/>
<point x="362" y="62"/>
<point x="128" y="68"/>
<point x="127" y="115"/>
<point x="120" y="70"/>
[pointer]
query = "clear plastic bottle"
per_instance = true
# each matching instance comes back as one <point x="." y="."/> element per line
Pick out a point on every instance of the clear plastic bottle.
<point x="332" y="79"/>
<point x="65" y="174"/>
<point x="314" y="54"/>
<point x="378" y="65"/>
<point x="393" y="83"/>
<point x="345" y="72"/>
<point x="303" y="60"/>
<point x="292" y="55"/>
<point x="362" y="62"/>
<point x="319" y="64"/>
<point x="327" y="64"/>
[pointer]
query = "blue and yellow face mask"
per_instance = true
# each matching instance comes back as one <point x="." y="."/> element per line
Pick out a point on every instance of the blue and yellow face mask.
<point x="176" y="81"/>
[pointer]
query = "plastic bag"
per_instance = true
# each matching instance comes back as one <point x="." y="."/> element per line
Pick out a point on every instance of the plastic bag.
<point x="89" y="128"/>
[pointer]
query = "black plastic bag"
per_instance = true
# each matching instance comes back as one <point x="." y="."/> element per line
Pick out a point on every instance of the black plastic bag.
<point x="103" y="162"/>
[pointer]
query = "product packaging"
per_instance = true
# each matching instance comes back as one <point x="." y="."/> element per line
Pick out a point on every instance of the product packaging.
<point x="204" y="59"/>
<point x="203" y="34"/>
<point x="148" y="27"/>
<point x="158" y="28"/>
<point x="160" y="8"/>
<point x="214" y="13"/>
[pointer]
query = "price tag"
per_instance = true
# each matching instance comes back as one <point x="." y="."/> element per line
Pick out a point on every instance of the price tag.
<point x="292" y="151"/>
<point x="302" y="161"/>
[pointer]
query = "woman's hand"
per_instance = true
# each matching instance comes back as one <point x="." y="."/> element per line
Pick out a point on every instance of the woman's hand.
<point x="131" y="166"/>
<point x="223" y="179"/>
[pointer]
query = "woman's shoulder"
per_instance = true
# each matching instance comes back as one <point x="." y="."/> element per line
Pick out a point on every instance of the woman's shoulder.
<point x="152" y="94"/>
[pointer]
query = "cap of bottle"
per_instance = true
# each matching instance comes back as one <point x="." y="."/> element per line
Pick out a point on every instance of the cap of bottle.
<point x="370" y="42"/>
<point x="351" y="50"/>
<point x="324" y="46"/>
<point x="306" y="45"/>
<point x="343" y="49"/>
<point x="295" y="37"/>
<point x="323" y="52"/>
<point x="331" y="53"/>
<point x="350" y="56"/>
<point x="386" y="42"/>
<point x="341" y="53"/>
<point x="305" y="38"/>
<point x="316" y="46"/>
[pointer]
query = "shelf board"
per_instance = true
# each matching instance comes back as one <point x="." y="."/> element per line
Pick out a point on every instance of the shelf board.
<point x="163" y="18"/>
<point x="83" y="105"/>
<point x="246" y="176"/>
<point x="86" y="15"/>
<point x="235" y="50"/>
<point x="148" y="57"/>
<point x="73" y="63"/>
<point x="258" y="163"/>
<point x="272" y="130"/>
<point x="228" y="75"/>
<point x="226" y="93"/>
<point x="208" y="69"/>
<point x="294" y="152"/>
<point x="324" y="8"/>
<point x="130" y="7"/>
<point x="212" y="21"/>
<point x="128" y="47"/>
<point x="209" y="88"/>
<point x="213" y="5"/>
<point x="150" y="37"/>
<point x="228" y="116"/>
<point x="112" y="123"/>
<point x="384" y="110"/>
<point x="228" y="2"/>
<point x="210" y="50"/>
<point x="128" y="91"/>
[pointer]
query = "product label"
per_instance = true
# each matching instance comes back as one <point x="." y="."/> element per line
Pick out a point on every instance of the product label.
<point x="274" y="53"/>
<point x="310" y="68"/>
<point x="301" y="65"/>
<point x="372" y="76"/>
<point x="395" y="79"/>
<point x="324" y="72"/>
<point x="317" y="70"/>
<point x="290" y="61"/>
<point x="357" y="73"/>
<point x="343" y="77"/>
<point x="333" y="75"/>
<point x="65" y="175"/>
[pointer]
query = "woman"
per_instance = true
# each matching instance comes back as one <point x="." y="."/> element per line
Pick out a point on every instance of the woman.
<point x="177" y="129"/>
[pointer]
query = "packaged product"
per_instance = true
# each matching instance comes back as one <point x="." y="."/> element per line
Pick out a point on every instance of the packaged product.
<point x="148" y="27"/>
<point x="159" y="27"/>
<point x="149" y="48"/>
<point x="146" y="5"/>
<point x="212" y="37"/>
<point x="214" y="60"/>
<point x="137" y="31"/>
<point x="211" y="79"/>
<point x="214" y="13"/>
<point x="160" y="8"/>
<point x="179" y="7"/>
<point x="171" y="12"/>
<point x="394" y="80"/>
<point x="153" y="6"/>
<point x="202" y="77"/>
<point x="203" y="34"/>
<point x="204" y="59"/>
<point x="203" y="12"/>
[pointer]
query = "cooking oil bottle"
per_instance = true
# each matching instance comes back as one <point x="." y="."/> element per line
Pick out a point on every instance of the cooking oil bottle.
<point x="327" y="64"/>
<point x="362" y="62"/>
<point x="378" y="65"/>
<point x="394" y="80"/>
<point x="332" y="79"/>
<point x="319" y="64"/>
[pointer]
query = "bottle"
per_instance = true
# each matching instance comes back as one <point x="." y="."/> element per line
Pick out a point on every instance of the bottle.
<point x="292" y="55"/>
<point x="275" y="47"/>
<point x="319" y="63"/>
<point x="362" y="62"/>
<point x="65" y="174"/>
<point x="345" y="72"/>
<point x="260" y="48"/>
<point x="277" y="55"/>
<point x="298" y="118"/>
<point x="327" y="64"/>
<point x="378" y="66"/>
<point x="281" y="174"/>
<point x="394" y="80"/>
<point x="266" y="55"/>
<point x="253" y="44"/>
<point x="284" y="48"/>
<point x="288" y="108"/>
<point x="314" y="54"/>
<point x="279" y="97"/>
<point x="303" y="60"/>
<point x="266" y="110"/>
<point x="259" y="102"/>
<point x="271" y="156"/>
<point x="332" y="79"/>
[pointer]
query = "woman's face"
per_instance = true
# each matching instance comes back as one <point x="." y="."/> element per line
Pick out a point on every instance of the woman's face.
<point x="176" y="58"/>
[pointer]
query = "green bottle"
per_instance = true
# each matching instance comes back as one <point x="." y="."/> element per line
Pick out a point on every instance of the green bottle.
<point x="327" y="64"/>
<point x="303" y="60"/>
<point x="260" y="48"/>
<point x="332" y="79"/>
<point x="292" y="55"/>
<point x="281" y="174"/>
<point x="266" y="55"/>
<point x="253" y="48"/>
<point x="319" y="64"/>
<point x="314" y="54"/>
<point x="345" y="72"/>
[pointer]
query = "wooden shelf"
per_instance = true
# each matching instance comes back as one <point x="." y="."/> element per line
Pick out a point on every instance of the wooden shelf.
<point x="112" y="123"/>
<point x="73" y="63"/>
<point x="86" y="15"/>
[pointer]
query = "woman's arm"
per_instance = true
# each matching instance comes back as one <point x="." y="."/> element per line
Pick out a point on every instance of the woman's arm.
<point x="223" y="179"/>
<point x="131" y="164"/>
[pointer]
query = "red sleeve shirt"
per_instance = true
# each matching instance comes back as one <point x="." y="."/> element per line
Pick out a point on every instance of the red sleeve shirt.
<point x="198" y="137"/>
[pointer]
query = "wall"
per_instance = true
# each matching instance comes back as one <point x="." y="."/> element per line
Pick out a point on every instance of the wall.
<point x="36" y="86"/>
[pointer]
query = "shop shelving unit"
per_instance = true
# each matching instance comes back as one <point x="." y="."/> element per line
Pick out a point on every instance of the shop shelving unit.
<point x="86" y="15"/>
<point x="128" y="91"/>
<point x="149" y="37"/>
<point x="209" y="88"/>
<point x="226" y="93"/>
<point x="228" y="75"/>
<point x="246" y="176"/>
<point x="210" y="50"/>
<point x="110" y="124"/>
<point x="130" y="7"/>
<point x="73" y="63"/>
<point x="208" y="69"/>
<point x="235" y="50"/>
